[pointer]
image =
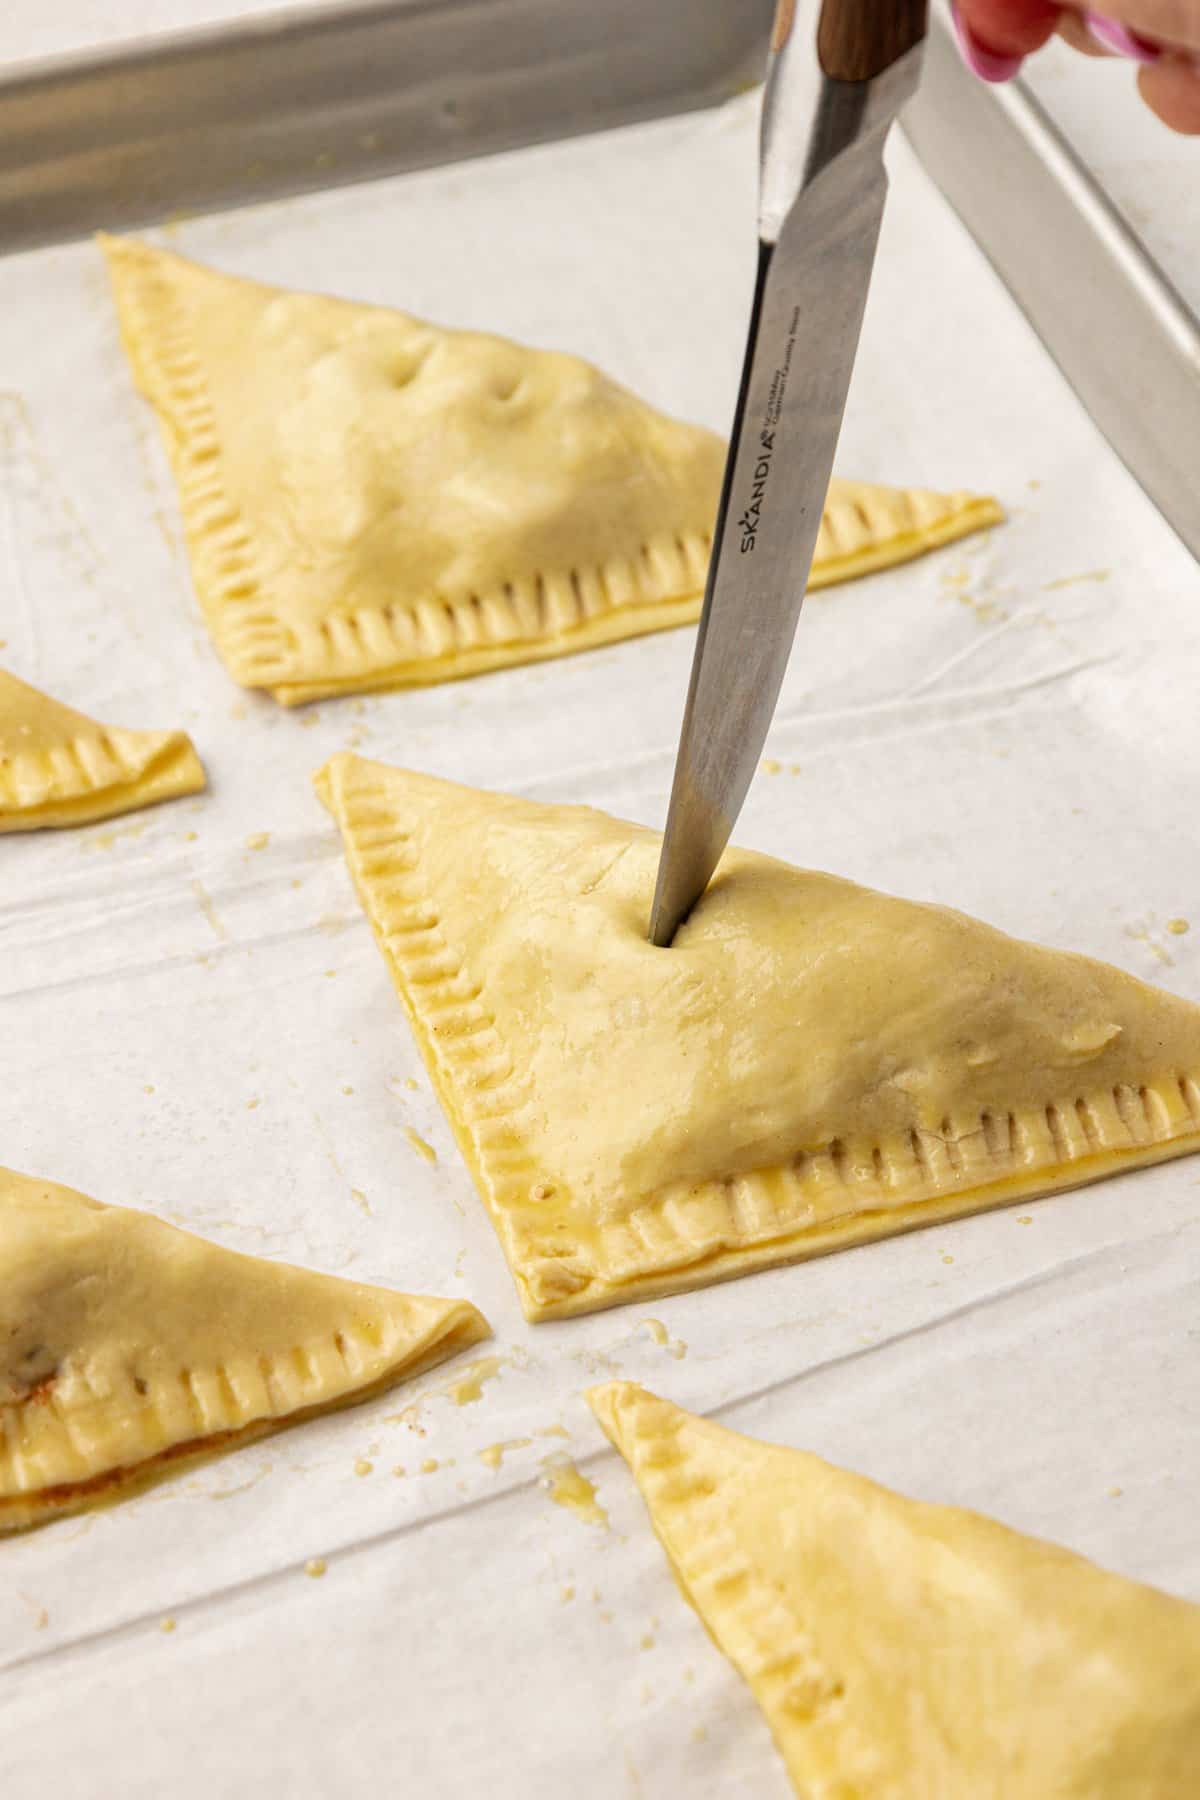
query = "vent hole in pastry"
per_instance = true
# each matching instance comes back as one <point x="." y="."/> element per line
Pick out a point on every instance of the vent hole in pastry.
<point x="880" y="1167"/>
<point x="840" y="1161"/>
<point x="1185" y="1094"/>
<point x="918" y="1150"/>
<point x="505" y="391"/>
<point x="140" y="1385"/>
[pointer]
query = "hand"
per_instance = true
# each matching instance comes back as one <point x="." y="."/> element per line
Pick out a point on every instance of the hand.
<point x="1164" y="35"/>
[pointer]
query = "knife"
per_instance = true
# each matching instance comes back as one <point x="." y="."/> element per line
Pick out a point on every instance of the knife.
<point x="839" y="72"/>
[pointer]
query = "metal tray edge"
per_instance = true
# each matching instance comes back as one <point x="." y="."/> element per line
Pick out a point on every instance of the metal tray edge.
<point x="1120" y="332"/>
<point x="317" y="97"/>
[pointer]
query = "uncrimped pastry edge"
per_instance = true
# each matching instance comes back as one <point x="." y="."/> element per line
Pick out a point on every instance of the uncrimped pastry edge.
<point x="1077" y="1139"/>
<point x="261" y="650"/>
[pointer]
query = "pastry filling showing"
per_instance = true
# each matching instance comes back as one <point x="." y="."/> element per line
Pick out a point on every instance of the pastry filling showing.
<point x="133" y="1346"/>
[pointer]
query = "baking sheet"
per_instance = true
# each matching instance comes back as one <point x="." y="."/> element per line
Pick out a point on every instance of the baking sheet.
<point x="206" y="1030"/>
<point x="312" y="96"/>
<point x="1147" y="170"/>
<point x="32" y="30"/>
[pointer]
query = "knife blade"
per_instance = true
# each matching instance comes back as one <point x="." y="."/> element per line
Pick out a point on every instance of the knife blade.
<point x="839" y="72"/>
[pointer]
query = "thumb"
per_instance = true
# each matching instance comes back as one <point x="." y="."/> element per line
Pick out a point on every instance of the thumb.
<point x="1009" y="27"/>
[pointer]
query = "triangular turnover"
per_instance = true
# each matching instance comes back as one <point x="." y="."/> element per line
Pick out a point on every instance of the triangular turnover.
<point x="906" y="1650"/>
<point x="128" y="1346"/>
<point x="58" y="767"/>
<point x="374" y="501"/>
<point x="812" y="1063"/>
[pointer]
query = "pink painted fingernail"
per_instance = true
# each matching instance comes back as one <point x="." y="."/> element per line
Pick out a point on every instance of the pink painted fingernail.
<point x="1117" y="37"/>
<point x="989" y="65"/>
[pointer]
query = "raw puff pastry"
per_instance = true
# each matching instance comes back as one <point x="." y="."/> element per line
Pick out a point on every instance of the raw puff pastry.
<point x="903" y="1651"/>
<point x="810" y="1065"/>
<point x="371" y="501"/>
<point x="127" y="1346"/>
<point x="58" y="767"/>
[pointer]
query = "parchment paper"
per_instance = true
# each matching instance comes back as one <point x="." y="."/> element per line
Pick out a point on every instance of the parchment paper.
<point x="206" y="1030"/>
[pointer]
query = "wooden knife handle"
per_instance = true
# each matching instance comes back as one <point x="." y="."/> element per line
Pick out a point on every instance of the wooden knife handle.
<point x="859" y="39"/>
<point x="785" y="18"/>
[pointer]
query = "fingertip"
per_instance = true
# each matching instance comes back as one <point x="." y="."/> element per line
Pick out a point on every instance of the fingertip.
<point x="1072" y="30"/>
<point x="1171" y="89"/>
<point x="1010" y="27"/>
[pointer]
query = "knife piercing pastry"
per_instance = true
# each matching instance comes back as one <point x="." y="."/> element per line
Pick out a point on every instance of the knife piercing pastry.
<point x="810" y="1066"/>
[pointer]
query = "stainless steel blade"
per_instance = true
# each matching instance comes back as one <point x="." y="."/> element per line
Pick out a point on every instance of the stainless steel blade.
<point x="812" y="290"/>
<point x="807" y="315"/>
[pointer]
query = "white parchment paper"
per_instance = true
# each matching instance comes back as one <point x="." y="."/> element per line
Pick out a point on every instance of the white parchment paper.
<point x="206" y="1030"/>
